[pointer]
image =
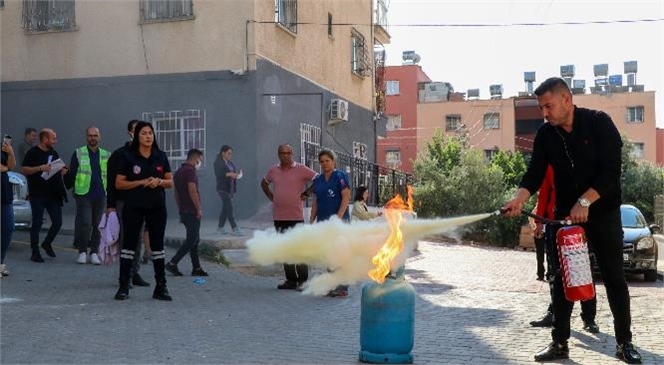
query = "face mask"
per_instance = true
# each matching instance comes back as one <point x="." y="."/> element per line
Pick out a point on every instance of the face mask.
<point x="198" y="164"/>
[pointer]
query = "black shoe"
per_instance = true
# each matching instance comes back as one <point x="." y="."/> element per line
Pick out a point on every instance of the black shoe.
<point x="161" y="292"/>
<point x="590" y="326"/>
<point x="288" y="284"/>
<point x="173" y="269"/>
<point x="555" y="351"/>
<point x="199" y="272"/>
<point x="36" y="257"/>
<point x="123" y="292"/>
<point x="49" y="249"/>
<point x="137" y="280"/>
<point x="546" y="321"/>
<point x="627" y="353"/>
<point x="540" y="278"/>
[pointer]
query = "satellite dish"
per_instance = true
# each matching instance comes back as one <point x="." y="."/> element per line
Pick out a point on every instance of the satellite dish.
<point x="416" y="58"/>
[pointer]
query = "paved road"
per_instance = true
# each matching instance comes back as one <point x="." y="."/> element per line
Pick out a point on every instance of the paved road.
<point x="473" y="306"/>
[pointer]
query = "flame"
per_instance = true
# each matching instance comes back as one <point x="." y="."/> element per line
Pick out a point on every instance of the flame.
<point x="394" y="244"/>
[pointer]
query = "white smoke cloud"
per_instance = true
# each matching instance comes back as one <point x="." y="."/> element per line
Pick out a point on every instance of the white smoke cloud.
<point x="344" y="248"/>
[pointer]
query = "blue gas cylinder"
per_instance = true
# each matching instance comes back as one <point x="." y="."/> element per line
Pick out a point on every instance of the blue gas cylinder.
<point x="387" y="322"/>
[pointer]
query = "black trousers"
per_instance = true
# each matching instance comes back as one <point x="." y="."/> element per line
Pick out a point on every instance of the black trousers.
<point x="604" y="234"/>
<point x="540" y="248"/>
<point x="155" y="223"/>
<point x="226" y="210"/>
<point x="190" y="245"/>
<point x="298" y="273"/>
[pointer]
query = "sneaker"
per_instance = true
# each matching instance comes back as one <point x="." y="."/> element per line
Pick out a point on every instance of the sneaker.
<point x="94" y="259"/>
<point x="591" y="326"/>
<point x="222" y="231"/>
<point x="237" y="231"/>
<point x="82" y="258"/>
<point x="199" y="272"/>
<point x="300" y="287"/>
<point x="288" y="284"/>
<point x="555" y="351"/>
<point x="627" y="353"/>
<point x="3" y="270"/>
<point x="173" y="269"/>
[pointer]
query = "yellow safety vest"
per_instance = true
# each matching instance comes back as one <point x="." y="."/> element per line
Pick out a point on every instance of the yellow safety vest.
<point x="84" y="173"/>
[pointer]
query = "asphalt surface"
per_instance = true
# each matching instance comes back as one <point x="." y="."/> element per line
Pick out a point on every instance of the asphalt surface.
<point x="473" y="306"/>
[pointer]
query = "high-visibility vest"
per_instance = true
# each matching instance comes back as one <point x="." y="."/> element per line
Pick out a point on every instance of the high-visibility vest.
<point x="84" y="173"/>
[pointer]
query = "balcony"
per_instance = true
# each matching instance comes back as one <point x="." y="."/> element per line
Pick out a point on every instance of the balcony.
<point x="380" y="21"/>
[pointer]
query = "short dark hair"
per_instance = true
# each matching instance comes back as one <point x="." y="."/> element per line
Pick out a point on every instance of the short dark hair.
<point x="194" y="152"/>
<point x="29" y="130"/>
<point x="359" y="192"/>
<point x="552" y="84"/>
<point x="132" y="123"/>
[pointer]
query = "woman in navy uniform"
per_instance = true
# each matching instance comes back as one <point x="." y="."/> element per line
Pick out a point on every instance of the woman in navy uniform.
<point x="144" y="173"/>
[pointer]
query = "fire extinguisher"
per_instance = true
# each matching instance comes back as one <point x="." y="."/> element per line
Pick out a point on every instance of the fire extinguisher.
<point x="574" y="258"/>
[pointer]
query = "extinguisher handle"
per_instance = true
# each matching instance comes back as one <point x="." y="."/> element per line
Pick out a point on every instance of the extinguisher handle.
<point x="563" y="222"/>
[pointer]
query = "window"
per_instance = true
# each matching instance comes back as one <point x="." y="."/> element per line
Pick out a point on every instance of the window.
<point x="178" y="131"/>
<point x="360" y="151"/>
<point x="160" y="10"/>
<point x="392" y="88"/>
<point x="285" y="13"/>
<point x="488" y="154"/>
<point x="359" y="62"/>
<point x="48" y="15"/>
<point x="452" y="122"/>
<point x="329" y="24"/>
<point x="492" y="121"/>
<point x="380" y="14"/>
<point x="393" y="122"/>
<point x="309" y="134"/>
<point x="638" y="150"/>
<point x="393" y="158"/>
<point x="635" y="114"/>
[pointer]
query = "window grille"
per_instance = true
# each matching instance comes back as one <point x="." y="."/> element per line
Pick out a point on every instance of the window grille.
<point x="309" y="134"/>
<point x="452" y="122"/>
<point x="359" y="59"/>
<point x="48" y="15"/>
<point x="155" y="10"/>
<point x="492" y="121"/>
<point x="360" y="151"/>
<point x="178" y="131"/>
<point x="635" y="114"/>
<point x="285" y="13"/>
<point x="393" y="158"/>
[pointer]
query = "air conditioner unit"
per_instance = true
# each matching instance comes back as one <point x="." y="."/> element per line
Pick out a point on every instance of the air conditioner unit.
<point x="338" y="111"/>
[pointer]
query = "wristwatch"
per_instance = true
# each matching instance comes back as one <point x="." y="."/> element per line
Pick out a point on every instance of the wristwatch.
<point x="584" y="202"/>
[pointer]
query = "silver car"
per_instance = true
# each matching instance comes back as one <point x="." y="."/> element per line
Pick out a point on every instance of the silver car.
<point x="22" y="211"/>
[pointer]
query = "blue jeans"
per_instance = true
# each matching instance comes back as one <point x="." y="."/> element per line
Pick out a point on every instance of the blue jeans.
<point x="54" y="208"/>
<point x="7" y="227"/>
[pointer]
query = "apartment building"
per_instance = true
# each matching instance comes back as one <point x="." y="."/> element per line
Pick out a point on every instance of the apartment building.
<point x="248" y="73"/>
<point x="402" y="89"/>
<point x="511" y="123"/>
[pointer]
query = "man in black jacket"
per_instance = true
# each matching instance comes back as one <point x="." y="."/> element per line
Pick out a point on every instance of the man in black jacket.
<point x="584" y="148"/>
<point x="115" y="200"/>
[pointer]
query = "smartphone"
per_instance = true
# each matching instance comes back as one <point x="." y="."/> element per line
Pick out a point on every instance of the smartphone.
<point x="7" y="139"/>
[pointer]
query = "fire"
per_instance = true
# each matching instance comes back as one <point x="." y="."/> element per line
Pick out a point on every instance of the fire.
<point x="394" y="244"/>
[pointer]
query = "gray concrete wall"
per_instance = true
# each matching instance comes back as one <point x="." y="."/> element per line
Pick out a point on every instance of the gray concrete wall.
<point x="239" y="112"/>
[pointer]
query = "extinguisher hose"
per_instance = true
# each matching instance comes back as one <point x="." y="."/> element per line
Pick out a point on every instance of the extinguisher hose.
<point x="563" y="222"/>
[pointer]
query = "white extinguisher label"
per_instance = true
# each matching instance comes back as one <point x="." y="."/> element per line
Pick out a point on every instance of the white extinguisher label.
<point x="575" y="257"/>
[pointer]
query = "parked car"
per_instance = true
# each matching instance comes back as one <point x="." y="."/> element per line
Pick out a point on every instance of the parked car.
<point x="22" y="210"/>
<point x="639" y="245"/>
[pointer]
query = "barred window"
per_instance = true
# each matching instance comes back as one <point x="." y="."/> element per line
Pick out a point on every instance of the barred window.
<point x="159" y="10"/>
<point x="48" y="15"/>
<point x="360" y="150"/>
<point x="178" y="131"/>
<point x="393" y="122"/>
<point x="359" y="59"/>
<point x="452" y="122"/>
<point x="393" y="158"/>
<point x="285" y="13"/>
<point x="492" y="121"/>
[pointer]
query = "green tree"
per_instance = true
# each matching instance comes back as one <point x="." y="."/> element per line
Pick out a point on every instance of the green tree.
<point x="512" y="164"/>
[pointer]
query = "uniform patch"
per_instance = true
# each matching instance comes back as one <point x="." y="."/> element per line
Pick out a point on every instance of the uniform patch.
<point x="160" y="168"/>
<point x="137" y="169"/>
